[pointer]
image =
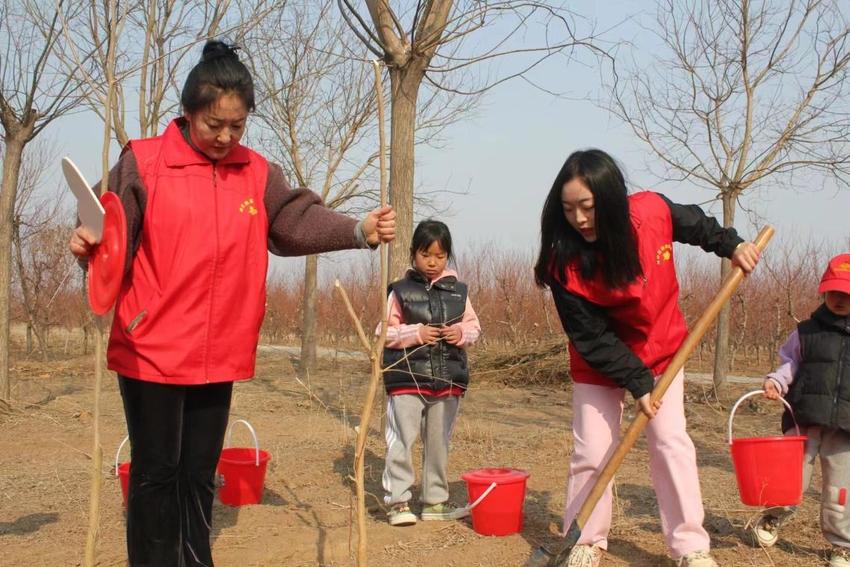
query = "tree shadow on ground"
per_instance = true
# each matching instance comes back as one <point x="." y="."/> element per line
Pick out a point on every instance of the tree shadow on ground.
<point x="228" y="516"/>
<point x="28" y="524"/>
<point x="540" y="526"/>
<point x="373" y="466"/>
<point x="634" y="555"/>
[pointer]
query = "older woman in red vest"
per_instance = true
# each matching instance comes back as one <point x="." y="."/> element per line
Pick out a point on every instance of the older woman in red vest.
<point x="608" y="259"/>
<point x="202" y="213"/>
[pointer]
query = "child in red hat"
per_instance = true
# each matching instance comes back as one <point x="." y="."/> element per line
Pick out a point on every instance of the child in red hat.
<point x="815" y="380"/>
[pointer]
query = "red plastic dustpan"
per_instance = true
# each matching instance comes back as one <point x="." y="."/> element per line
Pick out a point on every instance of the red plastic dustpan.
<point x="106" y="220"/>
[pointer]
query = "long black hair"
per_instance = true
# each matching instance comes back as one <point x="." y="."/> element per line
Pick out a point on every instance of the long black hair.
<point x="428" y="232"/>
<point x="614" y="253"/>
<point x="218" y="72"/>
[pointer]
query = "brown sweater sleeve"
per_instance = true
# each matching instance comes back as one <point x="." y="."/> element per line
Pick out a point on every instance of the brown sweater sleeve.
<point x="124" y="181"/>
<point x="300" y="224"/>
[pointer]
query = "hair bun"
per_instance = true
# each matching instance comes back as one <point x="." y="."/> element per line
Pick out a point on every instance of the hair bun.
<point x="218" y="50"/>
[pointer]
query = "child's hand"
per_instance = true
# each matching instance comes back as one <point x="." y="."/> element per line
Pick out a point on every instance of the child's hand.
<point x="429" y="334"/>
<point x="647" y="407"/>
<point x="771" y="392"/>
<point x="452" y="334"/>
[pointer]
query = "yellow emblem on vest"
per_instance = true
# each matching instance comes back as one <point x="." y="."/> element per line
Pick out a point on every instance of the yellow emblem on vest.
<point x="843" y="267"/>
<point x="664" y="254"/>
<point x="248" y="205"/>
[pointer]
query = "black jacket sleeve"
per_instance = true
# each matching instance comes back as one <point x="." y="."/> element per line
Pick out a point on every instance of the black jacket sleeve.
<point x="588" y="329"/>
<point x="692" y="226"/>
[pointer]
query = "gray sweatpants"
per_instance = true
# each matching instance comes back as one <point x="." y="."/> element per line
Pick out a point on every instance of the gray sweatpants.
<point x="408" y="416"/>
<point x="833" y="446"/>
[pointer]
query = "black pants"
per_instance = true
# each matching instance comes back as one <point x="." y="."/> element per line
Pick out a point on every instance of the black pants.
<point x="176" y="435"/>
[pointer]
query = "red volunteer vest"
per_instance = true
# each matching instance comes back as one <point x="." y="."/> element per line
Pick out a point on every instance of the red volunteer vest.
<point x="645" y="314"/>
<point x="190" y="310"/>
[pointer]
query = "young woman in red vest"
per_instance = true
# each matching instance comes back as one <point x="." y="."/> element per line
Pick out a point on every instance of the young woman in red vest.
<point x="607" y="257"/>
<point x="202" y="212"/>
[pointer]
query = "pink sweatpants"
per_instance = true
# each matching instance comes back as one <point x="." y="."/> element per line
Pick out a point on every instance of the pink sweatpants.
<point x="597" y="411"/>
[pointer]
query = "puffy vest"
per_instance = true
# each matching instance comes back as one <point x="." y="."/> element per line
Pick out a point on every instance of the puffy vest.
<point x="820" y="393"/>
<point x="190" y="310"/>
<point x="434" y="367"/>
<point x="644" y="314"/>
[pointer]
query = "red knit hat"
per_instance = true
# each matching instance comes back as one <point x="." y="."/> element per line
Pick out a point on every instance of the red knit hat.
<point x="837" y="275"/>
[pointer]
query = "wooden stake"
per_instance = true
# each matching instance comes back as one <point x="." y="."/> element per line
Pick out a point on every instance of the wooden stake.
<point x="375" y="348"/>
<point x="99" y="358"/>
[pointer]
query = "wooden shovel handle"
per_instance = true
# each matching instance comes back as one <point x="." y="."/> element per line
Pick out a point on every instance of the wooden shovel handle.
<point x="639" y="422"/>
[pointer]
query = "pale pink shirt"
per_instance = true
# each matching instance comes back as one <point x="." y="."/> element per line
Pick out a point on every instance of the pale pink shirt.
<point x="403" y="335"/>
<point x="789" y="354"/>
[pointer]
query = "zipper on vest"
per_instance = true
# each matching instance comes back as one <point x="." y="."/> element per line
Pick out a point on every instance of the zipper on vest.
<point x="833" y="420"/>
<point x="212" y="280"/>
<point x="136" y="320"/>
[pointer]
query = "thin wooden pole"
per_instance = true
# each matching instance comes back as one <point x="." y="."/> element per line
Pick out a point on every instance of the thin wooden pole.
<point x="99" y="359"/>
<point x="377" y="346"/>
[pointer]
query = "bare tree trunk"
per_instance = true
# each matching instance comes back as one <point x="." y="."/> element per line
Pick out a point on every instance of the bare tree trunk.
<point x="308" y="320"/>
<point x="28" y="299"/>
<point x="405" y="84"/>
<point x="12" y="157"/>
<point x="721" y="345"/>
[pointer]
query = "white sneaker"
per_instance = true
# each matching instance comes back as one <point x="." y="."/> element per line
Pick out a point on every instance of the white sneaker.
<point x="400" y="515"/>
<point x="697" y="559"/>
<point x="765" y="531"/>
<point x="840" y="557"/>
<point x="584" y="555"/>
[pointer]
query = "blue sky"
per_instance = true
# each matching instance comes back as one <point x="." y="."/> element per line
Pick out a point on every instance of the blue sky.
<point x="510" y="150"/>
<point x="506" y="153"/>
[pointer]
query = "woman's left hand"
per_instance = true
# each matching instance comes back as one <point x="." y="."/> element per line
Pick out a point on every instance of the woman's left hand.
<point x="647" y="407"/>
<point x="746" y="256"/>
<point x="379" y="225"/>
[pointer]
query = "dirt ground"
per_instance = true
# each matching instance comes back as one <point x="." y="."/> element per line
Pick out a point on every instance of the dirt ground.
<point x="305" y="518"/>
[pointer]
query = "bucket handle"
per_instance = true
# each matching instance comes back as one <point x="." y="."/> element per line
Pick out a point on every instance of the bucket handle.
<point x="478" y="500"/>
<point x="118" y="452"/>
<point x="755" y="393"/>
<point x="253" y="434"/>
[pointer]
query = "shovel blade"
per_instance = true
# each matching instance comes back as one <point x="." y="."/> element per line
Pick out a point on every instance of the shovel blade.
<point x="543" y="558"/>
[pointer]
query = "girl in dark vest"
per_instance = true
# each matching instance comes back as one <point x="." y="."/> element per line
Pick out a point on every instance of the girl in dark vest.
<point x="430" y="323"/>
<point x="607" y="257"/>
<point x="815" y="379"/>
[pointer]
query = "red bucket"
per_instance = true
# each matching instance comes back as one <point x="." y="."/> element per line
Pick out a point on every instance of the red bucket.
<point x="496" y="497"/>
<point x="122" y="470"/>
<point x="124" y="478"/>
<point x="243" y="471"/>
<point x="769" y="470"/>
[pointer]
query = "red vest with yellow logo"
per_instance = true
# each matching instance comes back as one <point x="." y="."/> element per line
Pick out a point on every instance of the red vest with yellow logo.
<point x="190" y="310"/>
<point x="645" y="314"/>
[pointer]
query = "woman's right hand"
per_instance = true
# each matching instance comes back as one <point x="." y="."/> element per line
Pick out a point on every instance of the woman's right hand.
<point x="82" y="242"/>
<point x="429" y="335"/>
<point x="647" y="407"/>
<point x="746" y="256"/>
<point x="771" y="392"/>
